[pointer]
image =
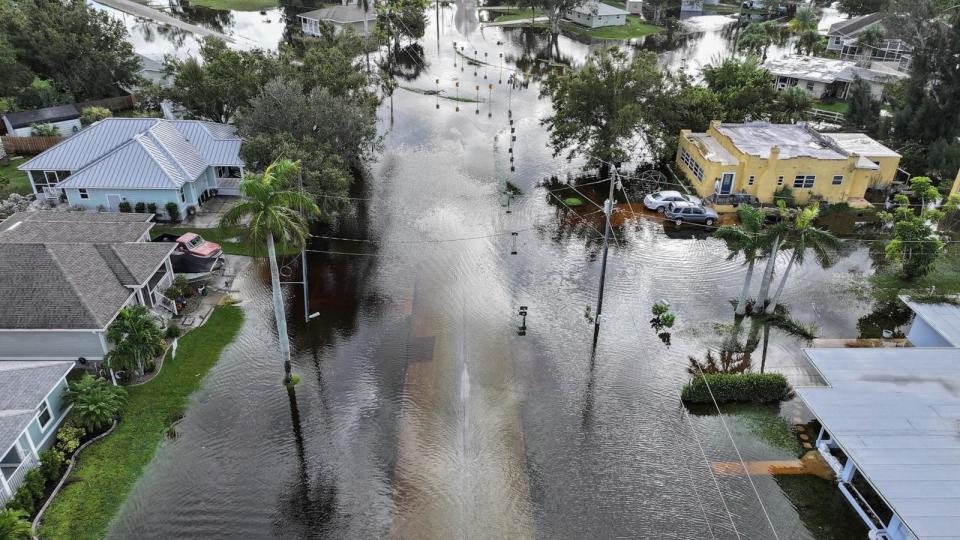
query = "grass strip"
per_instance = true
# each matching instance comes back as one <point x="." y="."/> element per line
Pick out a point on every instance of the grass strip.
<point x="107" y="470"/>
<point x="634" y="28"/>
<point x="237" y="5"/>
<point x="18" y="182"/>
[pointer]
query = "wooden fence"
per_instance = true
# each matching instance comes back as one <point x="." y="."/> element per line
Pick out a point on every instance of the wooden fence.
<point x="119" y="103"/>
<point x="28" y="145"/>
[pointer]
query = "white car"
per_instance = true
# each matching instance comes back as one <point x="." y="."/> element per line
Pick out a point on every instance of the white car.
<point x="659" y="201"/>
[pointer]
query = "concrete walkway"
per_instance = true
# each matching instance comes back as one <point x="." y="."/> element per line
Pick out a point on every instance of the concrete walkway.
<point x="147" y="12"/>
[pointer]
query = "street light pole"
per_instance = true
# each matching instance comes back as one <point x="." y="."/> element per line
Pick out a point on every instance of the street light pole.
<point x="608" y="211"/>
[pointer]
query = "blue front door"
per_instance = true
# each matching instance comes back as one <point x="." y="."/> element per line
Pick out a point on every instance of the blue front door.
<point x="726" y="184"/>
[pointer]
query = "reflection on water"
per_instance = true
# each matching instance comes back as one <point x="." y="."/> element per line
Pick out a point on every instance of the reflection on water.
<point x="422" y="413"/>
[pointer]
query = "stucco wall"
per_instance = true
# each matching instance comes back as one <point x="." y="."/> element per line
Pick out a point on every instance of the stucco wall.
<point x="50" y="345"/>
<point x="922" y="334"/>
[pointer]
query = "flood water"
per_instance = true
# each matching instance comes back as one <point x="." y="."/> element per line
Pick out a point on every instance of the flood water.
<point x="423" y="414"/>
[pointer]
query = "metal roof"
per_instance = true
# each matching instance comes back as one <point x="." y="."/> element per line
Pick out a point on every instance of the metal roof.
<point x="147" y="153"/>
<point x="896" y="413"/>
<point x="943" y="318"/>
<point x="827" y="70"/>
<point x="598" y="9"/>
<point x="39" y="116"/>
<point x="23" y="385"/>
<point x="350" y="13"/>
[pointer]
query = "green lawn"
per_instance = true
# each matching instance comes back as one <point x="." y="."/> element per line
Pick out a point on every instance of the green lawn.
<point x="837" y="106"/>
<point x="107" y="470"/>
<point x="19" y="183"/>
<point x="237" y="5"/>
<point x="518" y="15"/>
<point x="945" y="277"/>
<point x="231" y="240"/>
<point x="636" y="27"/>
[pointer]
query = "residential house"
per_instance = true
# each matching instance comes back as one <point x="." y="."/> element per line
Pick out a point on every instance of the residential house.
<point x="65" y="118"/>
<point x="635" y="7"/>
<point x="148" y="160"/>
<point x="64" y="276"/>
<point x="935" y="324"/>
<point x="823" y="78"/>
<point x="758" y="158"/>
<point x="594" y="14"/>
<point x="890" y="420"/>
<point x="342" y="17"/>
<point x="31" y="410"/>
<point x="843" y="39"/>
<point x="954" y="190"/>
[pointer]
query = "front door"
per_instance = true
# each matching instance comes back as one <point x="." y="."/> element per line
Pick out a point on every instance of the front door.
<point x="726" y="184"/>
<point x="113" y="201"/>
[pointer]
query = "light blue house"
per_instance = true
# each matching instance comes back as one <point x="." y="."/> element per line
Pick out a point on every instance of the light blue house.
<point x="934" y="324"/>
<point x="31" y="410"/>
<point x="133" y="160"/>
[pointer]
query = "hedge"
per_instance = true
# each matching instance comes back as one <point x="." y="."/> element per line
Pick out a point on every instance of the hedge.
<point x="737" y="387"/>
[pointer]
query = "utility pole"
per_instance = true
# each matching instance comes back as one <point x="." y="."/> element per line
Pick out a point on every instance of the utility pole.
<point x="608" y="211"/>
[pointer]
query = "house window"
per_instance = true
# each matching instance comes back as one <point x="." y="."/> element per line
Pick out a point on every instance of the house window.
<point x="837" y="180"/>
<point x="44" y="417"/>
<point x="751" y="180"/>
<point x="804" y="182"/>
<point x="779" y="180"/>
<point x="810" y="86"/>
<point x="83" y="193"/>
<point x="183" y="197"/>
<point x="50" y="177"/>
<point x="691" y="164"/>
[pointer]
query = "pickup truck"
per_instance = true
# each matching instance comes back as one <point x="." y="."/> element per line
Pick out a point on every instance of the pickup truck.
<point x="193" y="244"/>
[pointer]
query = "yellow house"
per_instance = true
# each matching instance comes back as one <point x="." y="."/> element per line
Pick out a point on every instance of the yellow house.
<point x="758" y="158"/>
<point x="955" y="190"/>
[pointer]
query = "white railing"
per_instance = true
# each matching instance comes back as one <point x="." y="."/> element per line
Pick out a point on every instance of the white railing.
<point x="164" y="302"/>
<point x="16" y="479"/>
<point x="829" y="116"/>
<point x="52" y="193"/>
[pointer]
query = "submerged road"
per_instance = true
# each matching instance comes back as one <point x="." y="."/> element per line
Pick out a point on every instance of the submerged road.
<point x="147" y="12"/>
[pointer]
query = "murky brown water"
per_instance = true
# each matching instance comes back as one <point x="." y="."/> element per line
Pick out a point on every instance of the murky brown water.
<point x="422" y="413"/>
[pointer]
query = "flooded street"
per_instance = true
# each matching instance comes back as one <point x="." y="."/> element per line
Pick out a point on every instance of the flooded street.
<point x="423" y="414"/>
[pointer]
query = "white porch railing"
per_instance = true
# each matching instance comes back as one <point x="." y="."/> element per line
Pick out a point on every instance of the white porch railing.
<point x="16" y="478"/>
<point x="164" y="302"/>
<point x="52" y="193"/>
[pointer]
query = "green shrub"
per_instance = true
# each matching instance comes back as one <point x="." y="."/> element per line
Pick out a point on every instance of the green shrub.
<point x="90" y="115"/>
<point x="125" y="207"/>
<point x="140" y="207"/>
<point x="44" y="130"/>
<point x="95" y="402"/>
<point x="785" y="194"/>
<point x="14" y="525"/>
<point x="152" y="207"/>
<point x="29" y="492"/>
<point x="69" y="436"/>
<point x="738" y="387"/>
<point x="173" y="211"/>
<point x="51" y="464"/>
<point x="173" y="331"/>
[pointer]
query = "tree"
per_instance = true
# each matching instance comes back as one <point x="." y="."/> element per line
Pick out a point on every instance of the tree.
<point x="82" y="49"/>
<point x="136" y="337"/>
<point x="679" y="103"/>
<point x="95" y="402"/>
<point x="598" y="109"/>
<point x="555" y="10"/>
<point x="915" y="245"/>
<point x="864" y="111"/>
<point x="402" y="19"/>
<point x="802" y="236"/>
<point x="274" y="215"/>
<point x="792" y="104"/>
<point x="90" y="115"/>
<point x="14" y="525"/>
<point x="863" y="7"/>
<point x="804" y="24"/>
<point x="44" y="130"/>
<point x="774" y="237"/>
<point x="744" y="88"/>
<point x="747" y="239"/>
<point x="222" y="80"/>
<point x="757" y="38"/>
<point x="867" y="42"/>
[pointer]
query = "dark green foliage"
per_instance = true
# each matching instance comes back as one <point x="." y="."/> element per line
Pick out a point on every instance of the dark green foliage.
<point x="51" y="464"/>
<point x="125" y="207"/>
<point x="29" y="493"/>
<point x="90" y="115"/>
<point x="745" y="90"/>
<point x="95" y="402"/>
<point x="152" y="208"/>
<point x="173" y="211"/>
<point x="736" y="387"/>
<point x="173" y="331"/>
<point x="862" y="7"/>
<point x="785" y="193"/>
<point x="140" y="207"/>
<point x="864" y="110"/>
<point x="14" y="525"/>
<point x="44" y="130"/>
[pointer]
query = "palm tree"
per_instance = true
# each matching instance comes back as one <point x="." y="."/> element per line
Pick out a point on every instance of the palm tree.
<point x="136" y="338"/>
<point x="803" y="236"/>
<point x="804" y="24"/>
<point x="775" y="233"/>
<point x="95" y="402"/>
<point x="276" y="216"/>
<point x="14" y="525"/>
<point x="746" y="239"/>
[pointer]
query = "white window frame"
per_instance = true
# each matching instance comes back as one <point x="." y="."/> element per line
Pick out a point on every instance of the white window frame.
<point x="834" y="182"/>
<point x="691" y="164"/>
<point x="44" y="406"/>
<point x="46" y="178"/>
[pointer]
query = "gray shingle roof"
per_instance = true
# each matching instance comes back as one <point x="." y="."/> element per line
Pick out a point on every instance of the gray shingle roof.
<point x="22" y="386"/>
<point x="140" y="153"/>
<point x="58" y="113"/>
<point x="71" y="286"/>
<point x="854" y="26"/>
<point x="89" y="217"/>
<point x="76" y="231"/>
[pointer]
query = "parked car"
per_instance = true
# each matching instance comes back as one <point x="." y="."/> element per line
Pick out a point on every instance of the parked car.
<point x="659" y="201"/>
<point x="192" y="244"/>
<point x="686" y="212"/>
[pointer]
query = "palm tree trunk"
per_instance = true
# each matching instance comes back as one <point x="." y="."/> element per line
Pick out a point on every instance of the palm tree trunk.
<point x="742" y="302"/>
<point x="767" y="277"/>
<point x="783" y="281"/>
<point x="278" y="310"/>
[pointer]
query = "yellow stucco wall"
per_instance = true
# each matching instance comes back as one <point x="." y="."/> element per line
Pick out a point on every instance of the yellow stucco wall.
<point x="766" y="172"/>
<point x="955" y="190"/>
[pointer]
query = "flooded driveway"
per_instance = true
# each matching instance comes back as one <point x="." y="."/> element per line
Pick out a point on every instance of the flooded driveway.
<point x="423" y="413"/>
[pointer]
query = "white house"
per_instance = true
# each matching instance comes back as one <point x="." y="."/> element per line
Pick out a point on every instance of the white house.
<point x="148" y="160"/>
<point x="64" y="276"/>
<point x="890" y="420"/>
<point x="346" y="15"/>
<point x="595" y="14"/>
<point x="635" y="7"/>
<point x="843" y="38"/>
<point x="934" y="324"/>
<point x="66" y="118"/>
<point x="31" y="410"/>
<point x="824" y="78"/>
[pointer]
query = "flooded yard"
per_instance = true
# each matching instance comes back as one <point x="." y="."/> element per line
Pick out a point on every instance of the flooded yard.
<point x="423" y="413"/>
